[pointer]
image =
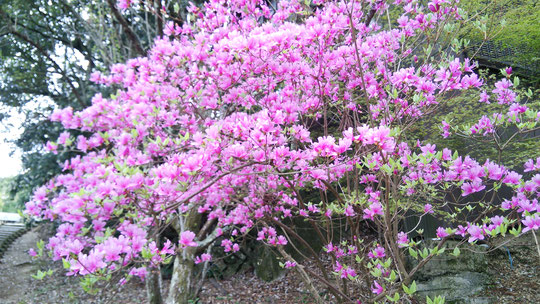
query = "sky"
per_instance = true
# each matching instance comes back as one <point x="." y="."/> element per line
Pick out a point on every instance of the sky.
<point x="10" y="165"/>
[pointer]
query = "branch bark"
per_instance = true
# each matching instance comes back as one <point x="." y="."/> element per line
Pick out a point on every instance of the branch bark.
<point x="136" y="44"/>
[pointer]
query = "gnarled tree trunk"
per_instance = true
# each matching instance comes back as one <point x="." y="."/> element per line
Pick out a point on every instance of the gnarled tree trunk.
<point x="184" y="278"/>
<point x="182" y="287"/>
<point x="153" y="286"/>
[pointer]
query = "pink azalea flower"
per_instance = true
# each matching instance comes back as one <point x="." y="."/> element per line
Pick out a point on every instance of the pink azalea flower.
<point x="469" y="188"/>
<point x="124" y="4"/>
<point x="141" y="272"/>
<point x="484" y="97"/>
<point x="402" y="239"/>
<point x="349" y="211"/>
<point x="512" y="178"/>
<point x="531" y="223"/>
<point x="348" y="272"/>
<point x="186" y="239"/>
<point x="497" y="220"/>
<point x="290" y="264"/>
<point x="281" y="240"/>
<point x="476" y="233"/>
<point x="441" y="232"/>
<point x="52" y="147"/>
<point x="376" y="288"/>
<point x="445" y="129"/>
<point x="328" y="213"/>
<point x="377" y="253"/>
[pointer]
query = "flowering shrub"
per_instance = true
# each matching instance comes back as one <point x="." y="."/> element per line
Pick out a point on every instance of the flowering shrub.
<point x="231" y="118"/>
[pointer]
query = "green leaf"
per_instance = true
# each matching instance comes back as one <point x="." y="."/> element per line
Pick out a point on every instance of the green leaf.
<point x="504" y="228"/>
<point x="393" y="276"/>
<point x="39" y="276"/>
<point x="441" y="250"/>
<point x="456" y="252"/>
<point x="413" y="253"/>
<point x="412" y="288"/>
<point x="424" y="253"/>
<point x="167" y="260"/>
<point x="515" y="232"/>
<point x="406" y="289"/>
<point x="40" y="245"/>
<point x="387" y="263"/>
<point x="395" y="298"/>
<point x="376" y="272"/>
<point x="146" y="254"/>
<point x="66" y="264"/>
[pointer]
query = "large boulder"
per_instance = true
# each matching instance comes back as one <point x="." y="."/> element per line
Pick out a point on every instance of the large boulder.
<point x="266" y="264"/>
<point x="459" y="278"/>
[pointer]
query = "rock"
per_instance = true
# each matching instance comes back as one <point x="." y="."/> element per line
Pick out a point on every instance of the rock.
<point x="227" y="264"/>
<point x="456" y="288"/>
<point x="458" y="279"/>
<point x="267" y="264"/>
<point x="471" y="259"/>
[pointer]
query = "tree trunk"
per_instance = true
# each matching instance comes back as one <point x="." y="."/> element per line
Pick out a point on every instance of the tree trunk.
<point x="183" y="278"/>
<point x="153" y="286"/>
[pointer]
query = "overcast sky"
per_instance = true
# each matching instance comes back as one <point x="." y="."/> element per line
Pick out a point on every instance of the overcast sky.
<point x="10" y="165"/>
<point x="9" y="130"/>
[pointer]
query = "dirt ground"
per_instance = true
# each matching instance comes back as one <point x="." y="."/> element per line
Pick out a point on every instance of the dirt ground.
<point x="515" y="271"/>
<point x="18" y="287"/>
<point x="518" y="282"/>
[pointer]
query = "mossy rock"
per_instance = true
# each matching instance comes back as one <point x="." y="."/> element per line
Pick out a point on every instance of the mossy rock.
<point x="266" y="264"/>
<point x="459" y="278"/>
<point x="473" y="258"/>
<point x="455" y="288"/>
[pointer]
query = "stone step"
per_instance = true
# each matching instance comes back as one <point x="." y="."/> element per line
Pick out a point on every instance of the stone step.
<point x="8" y="234"/>
<point x="10" y="230"/>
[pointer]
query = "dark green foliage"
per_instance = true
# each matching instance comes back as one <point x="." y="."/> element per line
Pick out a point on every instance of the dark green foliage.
<point x="47" y="52"/>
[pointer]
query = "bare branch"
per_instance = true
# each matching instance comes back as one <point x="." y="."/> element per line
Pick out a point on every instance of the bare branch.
<point x="136" y="44"/>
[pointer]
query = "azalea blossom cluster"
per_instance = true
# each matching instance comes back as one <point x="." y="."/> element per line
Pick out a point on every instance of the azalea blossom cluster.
<point x="233" y="116"/>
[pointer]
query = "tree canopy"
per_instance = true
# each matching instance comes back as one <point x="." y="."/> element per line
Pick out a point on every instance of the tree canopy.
<point x="48" y="51"/>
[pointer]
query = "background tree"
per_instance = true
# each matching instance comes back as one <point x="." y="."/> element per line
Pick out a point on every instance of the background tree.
<point x="48" y="50"/>
<point x="7" y="204"/>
